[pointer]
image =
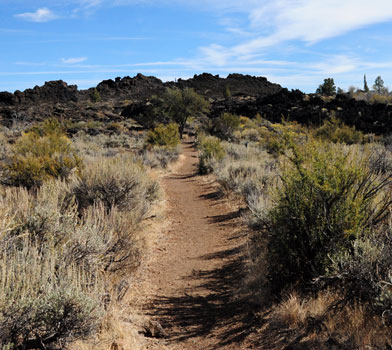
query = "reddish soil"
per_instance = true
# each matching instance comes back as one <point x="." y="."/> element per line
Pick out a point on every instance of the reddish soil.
<point x="191" y="283"/>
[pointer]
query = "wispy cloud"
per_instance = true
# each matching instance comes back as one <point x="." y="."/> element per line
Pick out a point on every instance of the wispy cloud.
<point x="41" y="15"/>
<point x="90" y="3"/>
<point x="74" y="60"/>
<point x="310" y="21"/>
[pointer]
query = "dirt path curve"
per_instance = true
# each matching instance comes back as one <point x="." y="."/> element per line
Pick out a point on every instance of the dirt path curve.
<point x="192" y="279"/>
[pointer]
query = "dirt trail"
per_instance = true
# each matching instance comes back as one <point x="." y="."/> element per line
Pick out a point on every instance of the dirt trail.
<point x="190" y="282"/>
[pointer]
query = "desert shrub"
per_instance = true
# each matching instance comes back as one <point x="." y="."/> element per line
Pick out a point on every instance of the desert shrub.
<point x="50" y="126"/>
<point x="53" y="263"/>
<point x="364" y="272"/>
<point x="328" y="197"/>
<point x="247" y="177"/>
<point x="44" y="301"/>
<point x="273" y="142"/>
<point x="40" y="154"/>
<point x="105" y="145"/>
<point x="158" y="157"/>
<point x="334" y="130"/>
<point x="49" y="293"/>
<point x="95" y="96"/>
<point x="116" y="181"/>
<point x="96" y="239"/>
<point x="225" y="125"/>
<point x="164" y="135"/>
<point x="211" y="150"/>
<point x="252" y="135"/>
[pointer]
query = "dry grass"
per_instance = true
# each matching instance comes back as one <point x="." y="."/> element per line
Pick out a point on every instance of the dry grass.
<point x="314" y="323"/>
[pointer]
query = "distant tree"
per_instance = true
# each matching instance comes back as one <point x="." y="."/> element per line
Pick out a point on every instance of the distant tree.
<point x="179" y="105"/>
<point x="365" y="84"/>
<point x="378" y="85"/>
<point x="95" y="96"/>
<point x="227" y="92"/>
<point x="340" y="91"/>
<point x="328" y="88"/>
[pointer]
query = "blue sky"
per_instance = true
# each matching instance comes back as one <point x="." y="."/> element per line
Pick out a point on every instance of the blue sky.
<point x="296" y="43"/>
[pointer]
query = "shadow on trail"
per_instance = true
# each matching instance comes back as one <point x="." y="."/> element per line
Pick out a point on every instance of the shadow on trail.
<point x="214" y="307"/>
<point x="218" y="311"/>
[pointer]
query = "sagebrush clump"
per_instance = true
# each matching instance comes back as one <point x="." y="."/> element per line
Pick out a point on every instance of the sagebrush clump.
<point x="116" y="182"/>
<point x="42" y="153"/>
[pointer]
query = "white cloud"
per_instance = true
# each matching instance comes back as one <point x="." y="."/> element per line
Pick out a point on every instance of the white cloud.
<point x="276" y="21"/>
<point x="41" y="15"/>
<point x="74" y="60"/>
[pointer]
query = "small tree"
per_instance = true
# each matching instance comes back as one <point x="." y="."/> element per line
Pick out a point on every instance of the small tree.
<point x="179" y="105"/>
<point x="365" y="84"/>
<point x="328" y="88"/>
<point x="227" y="92"/>
<point x="95" y="96"/>
<point x="378" y="85"/>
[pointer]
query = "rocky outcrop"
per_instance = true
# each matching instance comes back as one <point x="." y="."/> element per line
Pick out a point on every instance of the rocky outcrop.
<point x="138" y="88"/>
<point x="311" y="110"/>
<point x="52" y="92"/>
<point x="213" y="86"/>
<point x="142" y="87"/>
<point x="127" y="97"/>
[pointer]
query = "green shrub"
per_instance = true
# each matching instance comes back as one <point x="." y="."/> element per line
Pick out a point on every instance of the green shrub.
<point x="274" y="141"/>
<point x="334" y="130"/>
<point x="95" y="96"/>
<point x="40" y="154"/>
<point x="50" y="126"/>
<point x="211" y="150"/>
<point x="164" y="135"/>
<point x="328" y="198"/>
<point x="225" y="125"/>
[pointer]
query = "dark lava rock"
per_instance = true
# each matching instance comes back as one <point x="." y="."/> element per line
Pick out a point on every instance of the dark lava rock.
<point x="138" y="88"/>
<point x="52" y="91"/>
<point x="212" y="86"/>
<point x="129" y="98"/>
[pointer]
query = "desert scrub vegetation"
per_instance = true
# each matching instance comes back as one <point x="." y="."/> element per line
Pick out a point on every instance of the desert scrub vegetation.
<point x="158" y="157"/>
<point x="334" y="130"/>
<point x="247" y="170"/>
<point x="225" y="125"/>
<point x="50" y="293"/>
<point x="116" y="182"/>
<point x="164" y="135"/>
<point x="68" y="242"/>
<point x="44" y="152"/>
<point x="320" y="210"/>
<point x="210" y="151"/>
<point x="328" y="197"/>
<point x="55" y="262"/>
